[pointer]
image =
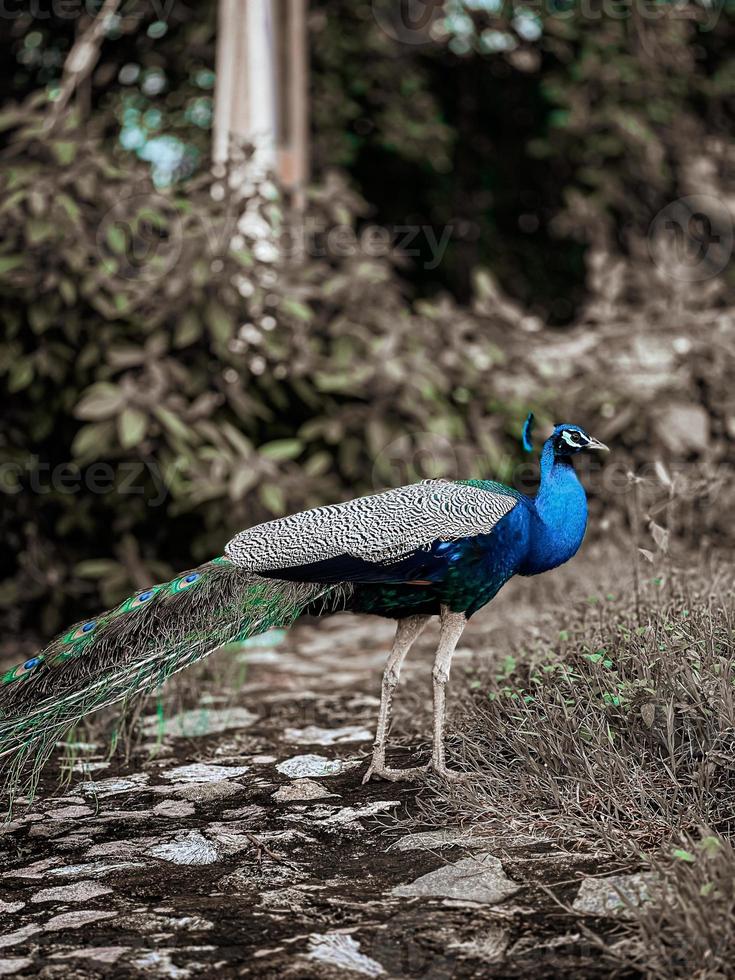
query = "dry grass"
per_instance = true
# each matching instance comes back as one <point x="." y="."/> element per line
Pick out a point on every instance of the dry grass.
<point x="619" y="737"/>
<point x="622" y="732"/>
<point x="687" y="928"/>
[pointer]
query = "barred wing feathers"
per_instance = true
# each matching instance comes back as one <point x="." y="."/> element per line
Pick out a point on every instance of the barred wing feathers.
<point x="380" y="528"/>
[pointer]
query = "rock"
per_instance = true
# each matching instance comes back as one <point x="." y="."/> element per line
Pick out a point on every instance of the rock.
<point x="204" y="773"/>
<point x="205" y="792"/>
<point x="121" y="816"/>
<point x="431" y="840"/>
<point x="87" y="767"/>
<point x="71" y="813"/>
<point x="37" y="870"/>
<point x="288" y="900"/>
<point x="272" y="638"/>
<point x="479" y="879"/>
<point x="314" y="735"/>
<point x="76" y="920"/>
<point x="601" y="896"/>
<point x="8" y="908"/>
<point x="99" y="954"/>
<point x="301" y="789"/>
<point x="315" y="765"/>
<point x="202" y="721"/>
<point x="19" y="936"/>
<point x="684" y="427"/>
<point x="81" y="891"/>
<point x="14" y="964"/>
<point x="352" y="814"/>
<point x="342" y="951"/>
<point x="176" y="809"/>
<point x="189" y="848"/>
<point x="114" y="785"/>
<point x="253" y="813"/>
<point x="115" y="848"/>
<point x="158" y="963"/>
<point x="95" y="869"/>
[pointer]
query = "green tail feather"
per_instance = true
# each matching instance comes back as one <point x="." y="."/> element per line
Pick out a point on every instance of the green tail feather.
<point x="131" y="650"/>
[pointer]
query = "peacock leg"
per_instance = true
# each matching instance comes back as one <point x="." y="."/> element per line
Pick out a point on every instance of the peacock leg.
<point x="407" y="631"/>
<point x="452" y="626"/>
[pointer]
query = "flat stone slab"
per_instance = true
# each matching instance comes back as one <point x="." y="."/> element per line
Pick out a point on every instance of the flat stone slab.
<point x="314" y="766"/>
<point x="301" y="789"/>
<point x="191" y="848"/>
<point x="80" y="891"/>
<point x="115" y="785"/>
<point x="342" y="951"/>
<point x="204" y="773"/>
<point x="77" y="920"/>
<point x="433" y="840"/>
<point x="480" y="879"/>
<point x="14" y="964"/>
<point x="314" y="735"/>
<point x="199" y="722"/>
<point x="99" y="954"/>
<point x="602" y="896"/>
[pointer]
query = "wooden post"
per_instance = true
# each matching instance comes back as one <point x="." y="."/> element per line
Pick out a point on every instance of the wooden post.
<point x="261" y="92"/>
<point x="294" y="136"/>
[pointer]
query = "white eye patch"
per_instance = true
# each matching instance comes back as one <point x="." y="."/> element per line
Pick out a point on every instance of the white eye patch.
<point x="574" y="439"/>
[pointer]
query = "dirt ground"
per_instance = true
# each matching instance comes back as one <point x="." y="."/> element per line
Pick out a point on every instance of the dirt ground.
<point x="242" y="842"/>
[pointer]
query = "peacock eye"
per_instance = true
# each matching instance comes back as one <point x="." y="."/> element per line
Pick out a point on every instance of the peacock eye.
<point x="81" y="631"/>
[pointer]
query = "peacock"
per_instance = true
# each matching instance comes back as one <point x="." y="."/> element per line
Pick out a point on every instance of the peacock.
<point x="434" y="548"/>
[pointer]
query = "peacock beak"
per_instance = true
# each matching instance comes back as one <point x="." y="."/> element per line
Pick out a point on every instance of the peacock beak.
<point x="596" y="444"/>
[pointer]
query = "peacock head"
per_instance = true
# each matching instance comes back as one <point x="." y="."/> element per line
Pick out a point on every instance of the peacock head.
<point x="568" y="440"/>
<point x="565" y="440"/>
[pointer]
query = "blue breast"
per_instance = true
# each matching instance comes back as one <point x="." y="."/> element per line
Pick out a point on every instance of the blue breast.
<point x="558" y="523"/>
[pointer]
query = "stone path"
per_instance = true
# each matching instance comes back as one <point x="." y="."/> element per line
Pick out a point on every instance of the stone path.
<point x="239" y="841"/>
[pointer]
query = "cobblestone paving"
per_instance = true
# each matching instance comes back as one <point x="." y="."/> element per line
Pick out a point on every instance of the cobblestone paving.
<point x="245" y="844"/>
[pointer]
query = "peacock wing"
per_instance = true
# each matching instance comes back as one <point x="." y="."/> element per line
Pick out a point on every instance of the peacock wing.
<point x="386" y="528"/>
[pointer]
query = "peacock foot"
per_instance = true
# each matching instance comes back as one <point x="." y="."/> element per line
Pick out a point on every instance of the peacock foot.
<point x="393" y="775"/>
<point x="450" y="775"/>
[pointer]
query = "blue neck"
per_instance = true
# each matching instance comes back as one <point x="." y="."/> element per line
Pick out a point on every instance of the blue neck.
<point x="561" y="511"/>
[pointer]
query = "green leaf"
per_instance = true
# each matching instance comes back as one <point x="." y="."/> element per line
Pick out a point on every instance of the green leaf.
<point x="64" y="151"/>
<point x="172" y="423"/>
<point x="188" y="329"/>
<point x="10" y="262"/>
<point x="96" y="568"/>
<point x="20" y="375"/>
<point x="38" y="231"/>
<point x="70" y="206"/>
<point x="299" y="310"/>
<point x="242" y="480"/>
<point x="281" y="449"/>
<point x="116" y="239"/>
<point x="92" y="441"/>
<point x="682" y="855"/>
<point x="710" y="845"/>
<point x="220" y="322"/>
<point x="100" y="401"/>
<point x="10" y="118"/>
<point x="68" y="291"/>
<point x="272" y="498"/>
<point x="131" y="426"/>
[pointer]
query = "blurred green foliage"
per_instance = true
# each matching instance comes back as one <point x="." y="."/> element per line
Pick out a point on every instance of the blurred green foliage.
<point x="534" y="130"/>
<point x="154" y="328"/>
